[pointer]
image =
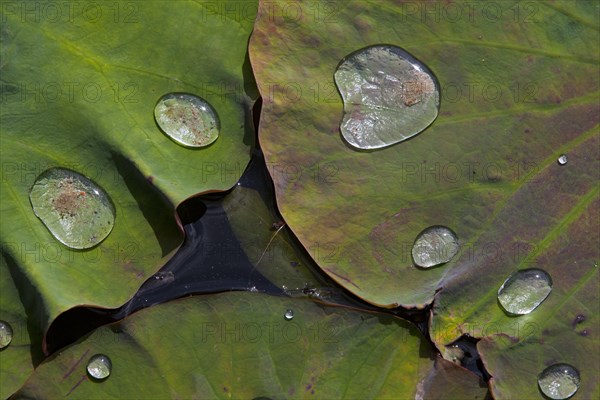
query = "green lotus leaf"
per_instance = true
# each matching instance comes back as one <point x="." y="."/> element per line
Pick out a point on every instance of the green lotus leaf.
<point x="519" y="88"/>
<point x="238" y="345"/>
<point x="374" y="204"/>
<point x="25" y="348"/>
<point x="563" y="329"/>
<point x="79" y="85"/>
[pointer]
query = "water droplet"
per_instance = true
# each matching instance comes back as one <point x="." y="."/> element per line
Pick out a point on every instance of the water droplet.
<point x="6" y="334"/>
<point x="289" y="314"/>
<point x="454" y="354"/>
<point x="75" y="210"/>
<point x="389" y="96"/>
<point x="559" y="381"/>
<point x="160" y="279"/>
<point x="524" y="291"/>
<point x="562" y="160"/>
<point x="99" y="367"/>
<point x="434" y="246"/>
<point x="187" y="119"/>
<point x="165" y="276"/>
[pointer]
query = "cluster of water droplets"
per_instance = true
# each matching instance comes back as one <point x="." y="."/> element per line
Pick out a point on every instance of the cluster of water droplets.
<point x="520" y="294"/>
<point x="388" y="95"/>
<point x="80" y="214"/>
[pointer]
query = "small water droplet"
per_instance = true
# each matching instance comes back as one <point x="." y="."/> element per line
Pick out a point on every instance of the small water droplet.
<point x="389" y="96"/>
<point x="434" y="246"/>
<point x="165" y="275"/>
<point x="559" y="381"/>
<point x="562" y="160"/>
<point x="454" y="354"/>
<point x="6" y="334"/>
<point x="73" y="208"/>
<point x="289" y="314"/>
<point x="524" y="291"/>
<point x="187" y="119"/>
<point x="99" y="367"/>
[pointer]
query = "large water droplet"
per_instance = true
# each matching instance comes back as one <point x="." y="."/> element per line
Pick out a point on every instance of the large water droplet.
<point x="75" y="210"/>
<point x="288" y="315"/>
<point x="187" y="119"/>
<point x="99" y="367"/>
<point x="6" y="334"/>
<point x="524" y="291"/>
<point x="389" y="96"/>
<point x="562" y="160"/>
<point x="559" y="381"/>
<point x="434" y="246"/>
